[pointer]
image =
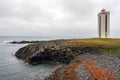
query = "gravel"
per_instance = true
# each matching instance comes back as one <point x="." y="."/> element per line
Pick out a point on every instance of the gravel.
<point x="110" y="62"/>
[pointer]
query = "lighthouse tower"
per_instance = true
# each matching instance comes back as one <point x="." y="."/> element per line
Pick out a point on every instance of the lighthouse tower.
<point x="104" y="24"/>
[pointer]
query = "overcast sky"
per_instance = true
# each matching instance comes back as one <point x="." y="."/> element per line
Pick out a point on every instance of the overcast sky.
<point x="56" y="18"/>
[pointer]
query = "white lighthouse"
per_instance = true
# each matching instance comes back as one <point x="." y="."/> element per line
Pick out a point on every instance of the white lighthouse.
<point x="104" y="24"/>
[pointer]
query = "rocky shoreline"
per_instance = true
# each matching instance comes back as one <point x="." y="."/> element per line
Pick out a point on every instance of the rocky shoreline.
<point x="73" y="58"/>
<point x="23" y="42"/>
<point x="51" y="51"/>
<point x="47" y="51"/>
<point x="110" y="63"/>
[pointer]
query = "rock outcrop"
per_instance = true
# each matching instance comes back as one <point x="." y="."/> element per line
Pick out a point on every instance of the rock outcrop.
<point x="47" y="51"/>
<point x="23" y="42"/>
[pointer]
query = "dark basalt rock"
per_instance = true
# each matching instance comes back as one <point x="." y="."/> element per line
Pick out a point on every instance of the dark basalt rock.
<point x="23" y="42"/>
<point x="50" y="55"/>
<point x="46" y="51"/>
<point x="50" y="51"/>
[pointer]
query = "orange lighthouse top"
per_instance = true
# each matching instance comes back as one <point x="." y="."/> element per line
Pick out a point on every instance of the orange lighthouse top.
<point x="103" y="11"/>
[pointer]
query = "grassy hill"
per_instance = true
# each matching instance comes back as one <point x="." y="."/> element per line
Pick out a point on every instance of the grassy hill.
<point x="104" y="45"/>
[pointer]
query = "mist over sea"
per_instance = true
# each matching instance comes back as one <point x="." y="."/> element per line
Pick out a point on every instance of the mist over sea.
<point x="13" y="69"/>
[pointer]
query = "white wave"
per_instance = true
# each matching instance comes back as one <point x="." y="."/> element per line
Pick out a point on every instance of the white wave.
<point x="6" y="41"/>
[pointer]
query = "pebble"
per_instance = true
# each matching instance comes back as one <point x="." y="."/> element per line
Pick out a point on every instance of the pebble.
<point x="110" y="62"/>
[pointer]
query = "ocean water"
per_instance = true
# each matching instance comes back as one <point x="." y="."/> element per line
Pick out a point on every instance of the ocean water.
<point x="21" y="38"/>
<point x="12" y="68"/>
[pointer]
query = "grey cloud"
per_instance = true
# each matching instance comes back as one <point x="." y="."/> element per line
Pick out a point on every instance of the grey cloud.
<point x="78" y="7"/>
<point x="63" y="18"/>
<point x="6" y="8"/>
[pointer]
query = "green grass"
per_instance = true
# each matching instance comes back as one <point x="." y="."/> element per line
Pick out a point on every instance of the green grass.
<point x="105" y="45"/>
